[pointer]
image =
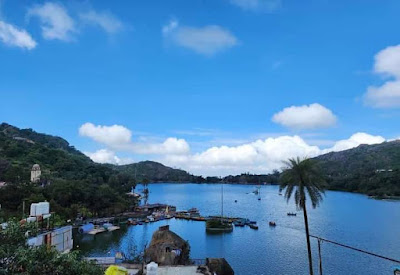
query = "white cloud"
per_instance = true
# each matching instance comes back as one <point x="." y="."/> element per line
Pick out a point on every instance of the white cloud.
<point x="12" y="36"/>
<point x="55" y="21"/>
<point x="207" y="40"/>
<point x="261" y="156"/>
<point x="354" y="141"/>
<point x="114" y="136"/>
<point x="258" y="5"/>
<point x="173" y="146"/>
<point x="387" y="63"/>
<point x="106" y="21"/>
<point x="168" y="28"/>
<point x="118" y="137"/>
<point x="107" y="156"/>
<point x="311" y="116"/>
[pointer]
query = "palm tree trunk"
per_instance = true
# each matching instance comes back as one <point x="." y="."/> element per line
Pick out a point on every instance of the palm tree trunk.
<point x="308" y="239"/>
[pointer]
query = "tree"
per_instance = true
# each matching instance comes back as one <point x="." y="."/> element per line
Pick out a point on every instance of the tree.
<point x="301" y="177"/>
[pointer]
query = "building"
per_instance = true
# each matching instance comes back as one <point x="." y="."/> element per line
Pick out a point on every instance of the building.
<point x="35" y="173"/>
<point x="59" y="238"/>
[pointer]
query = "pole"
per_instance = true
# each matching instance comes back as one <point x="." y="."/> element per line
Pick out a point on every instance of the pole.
<point x="23" y="209"/>
<point x="320" y="258"/>
<point x="222" y="201"/>
<point x="357" y="249"/>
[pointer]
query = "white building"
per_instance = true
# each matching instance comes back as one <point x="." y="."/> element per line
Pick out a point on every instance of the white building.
<point x="35" y="173"/>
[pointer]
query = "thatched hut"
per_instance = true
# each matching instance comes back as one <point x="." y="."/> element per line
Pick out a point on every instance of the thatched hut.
<point x="167" y="248"/>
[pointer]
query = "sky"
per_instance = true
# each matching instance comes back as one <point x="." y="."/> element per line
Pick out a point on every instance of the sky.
<point x="214" y="87"/>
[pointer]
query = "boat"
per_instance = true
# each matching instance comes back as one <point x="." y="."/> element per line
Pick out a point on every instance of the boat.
<point x="291" y="214"/>
<point x="219" y="224"/>
<point x="240" y="222"/>
<point x="273" y="224"/>
<point x="257" y="191"/>
<point x="131" y="221"/>
<point x="253" y="226"/>
<point x="193" y="210"/>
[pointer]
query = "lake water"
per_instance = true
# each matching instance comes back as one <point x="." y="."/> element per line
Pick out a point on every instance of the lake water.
<point x="347" y="218"/>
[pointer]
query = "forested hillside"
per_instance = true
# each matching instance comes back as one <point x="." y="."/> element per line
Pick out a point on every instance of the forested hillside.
<point x="70" y="180"/>
<point x="369" y="169"/>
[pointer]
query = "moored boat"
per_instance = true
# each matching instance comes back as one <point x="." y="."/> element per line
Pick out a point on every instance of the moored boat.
<point x="253" y="226"/>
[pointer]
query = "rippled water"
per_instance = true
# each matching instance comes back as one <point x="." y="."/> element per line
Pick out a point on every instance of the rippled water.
<point x="348" y="218"/>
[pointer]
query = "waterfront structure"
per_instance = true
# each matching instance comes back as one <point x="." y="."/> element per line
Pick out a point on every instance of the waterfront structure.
<point x="35" y="173"/>
<point x="155" y="207"/>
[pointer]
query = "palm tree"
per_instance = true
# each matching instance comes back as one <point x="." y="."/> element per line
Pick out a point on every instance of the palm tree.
<point x="301" y="177"/>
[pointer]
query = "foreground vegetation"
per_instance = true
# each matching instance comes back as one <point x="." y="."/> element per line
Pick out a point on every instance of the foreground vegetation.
<point x="18" y="258"/>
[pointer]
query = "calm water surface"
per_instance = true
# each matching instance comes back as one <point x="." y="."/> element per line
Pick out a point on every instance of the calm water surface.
<point x="348" y="218"/>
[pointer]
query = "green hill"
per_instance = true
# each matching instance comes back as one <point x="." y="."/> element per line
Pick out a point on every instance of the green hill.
<point x="155" y="172"/>
<point x="368" y="169"/>
<point x="21" y="148"/>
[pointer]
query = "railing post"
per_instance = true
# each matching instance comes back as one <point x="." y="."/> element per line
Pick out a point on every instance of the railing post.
<point x="320" y="257"/>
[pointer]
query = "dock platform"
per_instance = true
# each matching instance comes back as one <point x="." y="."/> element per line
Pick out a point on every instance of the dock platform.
<point x="96" y="231"/>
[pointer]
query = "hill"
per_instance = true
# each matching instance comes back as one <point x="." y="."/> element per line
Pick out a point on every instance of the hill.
<point x="21" y="148"/>
<point x="156" y="172"/>
<point x="368" y="169"/>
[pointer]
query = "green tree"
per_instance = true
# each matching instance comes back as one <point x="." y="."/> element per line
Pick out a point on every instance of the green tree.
<point x="301" y="177"/>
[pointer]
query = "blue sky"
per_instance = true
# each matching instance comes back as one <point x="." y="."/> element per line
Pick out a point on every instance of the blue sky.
<point x="203" y="84"/>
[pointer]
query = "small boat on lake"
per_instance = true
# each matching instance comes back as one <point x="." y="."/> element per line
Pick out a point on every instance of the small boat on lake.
<point x="131" y="222"/>
<point x="291" y="214"/>
<point x="272" y="224"/>
<point x="240" y="223"/>
<point x="253" y="226"/>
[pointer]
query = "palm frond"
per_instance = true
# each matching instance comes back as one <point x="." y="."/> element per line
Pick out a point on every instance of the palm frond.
<point x="302" y="177"/>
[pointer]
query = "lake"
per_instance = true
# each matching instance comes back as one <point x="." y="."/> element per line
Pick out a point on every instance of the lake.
<point x="352" y="219"/>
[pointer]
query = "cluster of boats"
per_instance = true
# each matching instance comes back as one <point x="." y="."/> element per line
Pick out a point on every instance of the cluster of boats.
<point x="155" y="217"/>
<point x="244" y="222"/>
<point x="192" y="214"/>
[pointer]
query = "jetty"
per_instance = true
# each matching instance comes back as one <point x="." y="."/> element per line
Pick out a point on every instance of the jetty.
<point x="96" y="231"/>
